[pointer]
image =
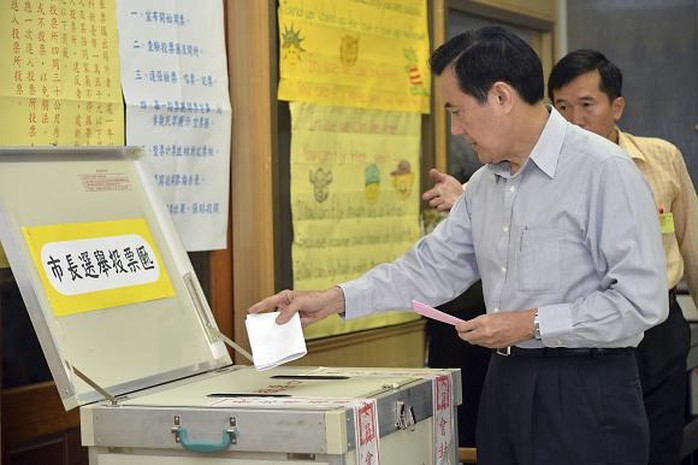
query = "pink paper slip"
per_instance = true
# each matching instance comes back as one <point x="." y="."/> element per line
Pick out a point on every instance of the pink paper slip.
<point x="434" y="314"/>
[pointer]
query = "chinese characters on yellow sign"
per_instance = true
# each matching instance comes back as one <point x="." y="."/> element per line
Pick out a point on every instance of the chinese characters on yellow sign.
<point x="98" y="265"/>
<point x="59" y="73"/>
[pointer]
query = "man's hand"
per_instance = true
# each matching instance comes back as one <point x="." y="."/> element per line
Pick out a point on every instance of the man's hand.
<point x="312" y="306"/>
<point x="498" y="330"/>
<point x="445" y="192"/>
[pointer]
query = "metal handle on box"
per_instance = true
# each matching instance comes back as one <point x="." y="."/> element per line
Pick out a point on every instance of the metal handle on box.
<point x="405" y="419"/>
<point x="228" y="438"/>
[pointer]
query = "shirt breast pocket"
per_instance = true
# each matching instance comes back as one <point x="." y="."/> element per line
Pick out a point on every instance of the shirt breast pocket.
<point x="539" y="260"/>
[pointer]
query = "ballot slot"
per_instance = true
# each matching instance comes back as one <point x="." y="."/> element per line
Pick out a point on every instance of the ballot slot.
<point x="311" y="377"/>
<point x="225" y="395"/>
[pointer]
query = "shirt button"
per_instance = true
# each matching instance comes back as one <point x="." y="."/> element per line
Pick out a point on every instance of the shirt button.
<point x="506" y="228"/>
<point x="512" y="189"/>
<point x="496" y="309"/>
<point x="504" y="269"/>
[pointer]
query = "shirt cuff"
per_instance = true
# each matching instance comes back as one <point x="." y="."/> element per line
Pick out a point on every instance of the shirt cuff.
<point x="357" y="299"/>
<point x="555" y="322"/>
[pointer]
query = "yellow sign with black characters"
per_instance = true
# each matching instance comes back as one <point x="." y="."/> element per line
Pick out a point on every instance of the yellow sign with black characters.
<point x="97" y="265"/>
<point x="59" y="87"/>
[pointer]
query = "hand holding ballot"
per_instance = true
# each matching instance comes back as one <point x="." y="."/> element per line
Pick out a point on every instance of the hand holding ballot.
<point x="311" y="306"/>
<point x="434" y="314"/>
<point x="273" y="344"/>
<point x="494" y="330"/>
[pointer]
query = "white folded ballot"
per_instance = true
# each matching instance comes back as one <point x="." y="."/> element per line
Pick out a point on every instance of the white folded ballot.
<point x="272" y="344"/>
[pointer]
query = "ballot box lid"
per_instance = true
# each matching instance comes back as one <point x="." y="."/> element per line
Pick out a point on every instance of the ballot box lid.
<point x="108" y="286"/>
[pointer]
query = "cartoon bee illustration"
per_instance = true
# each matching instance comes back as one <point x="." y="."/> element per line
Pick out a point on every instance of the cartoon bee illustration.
<point x="348" y="50"/>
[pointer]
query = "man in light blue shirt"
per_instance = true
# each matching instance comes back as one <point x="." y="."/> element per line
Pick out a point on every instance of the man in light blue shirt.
<point x="559" y="226"/>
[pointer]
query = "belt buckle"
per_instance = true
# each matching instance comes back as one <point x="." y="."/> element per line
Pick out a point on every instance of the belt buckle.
<point x="505" y="352"/>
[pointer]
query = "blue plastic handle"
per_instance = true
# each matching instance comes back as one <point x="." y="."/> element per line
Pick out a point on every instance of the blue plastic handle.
<point x="204" y="447"/>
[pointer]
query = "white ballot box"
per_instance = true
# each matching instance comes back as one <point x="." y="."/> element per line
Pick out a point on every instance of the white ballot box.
<point x="131" y="341"/>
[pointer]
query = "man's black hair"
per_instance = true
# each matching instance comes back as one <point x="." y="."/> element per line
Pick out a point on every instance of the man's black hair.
<point x="481" y="57"/>
<point x="583" y="61"/>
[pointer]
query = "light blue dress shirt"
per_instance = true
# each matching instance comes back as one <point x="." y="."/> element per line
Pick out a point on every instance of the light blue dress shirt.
<point x="574" y="233"/>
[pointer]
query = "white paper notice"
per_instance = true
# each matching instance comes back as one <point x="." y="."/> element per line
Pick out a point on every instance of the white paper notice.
<point x="174" y="75"/>
<point x="273" y="344"/>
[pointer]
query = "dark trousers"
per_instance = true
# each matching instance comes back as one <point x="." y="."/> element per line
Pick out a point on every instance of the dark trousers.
<point x="572" y="410"/>
<point x="447" y="350"/>
<point x="661" y="358"/>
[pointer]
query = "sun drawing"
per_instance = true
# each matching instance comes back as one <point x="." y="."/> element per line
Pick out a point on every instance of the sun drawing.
<point x="292" y="46"/>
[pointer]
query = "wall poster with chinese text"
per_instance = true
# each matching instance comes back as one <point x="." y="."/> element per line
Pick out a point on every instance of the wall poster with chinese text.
<point x="175" y="77"/>
<point x="59" y="73"/>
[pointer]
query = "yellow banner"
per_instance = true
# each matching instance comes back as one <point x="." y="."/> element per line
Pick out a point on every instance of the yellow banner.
<point x="355" y="53"/>
<point x="59" y="73"/>
<point x="354" y="198"/>
<point x="98" y="265"/>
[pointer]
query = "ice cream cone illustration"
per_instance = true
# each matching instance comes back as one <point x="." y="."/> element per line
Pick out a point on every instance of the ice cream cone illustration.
<point x="372" y="177"/>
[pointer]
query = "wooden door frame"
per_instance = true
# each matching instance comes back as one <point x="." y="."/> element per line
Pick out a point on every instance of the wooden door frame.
<point x="244" y="273"/>
<point x="513" y="12"/>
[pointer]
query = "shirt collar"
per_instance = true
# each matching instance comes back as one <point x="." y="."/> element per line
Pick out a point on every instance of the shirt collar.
<point x="546" y="152"/>
<point x="629" y="146"/>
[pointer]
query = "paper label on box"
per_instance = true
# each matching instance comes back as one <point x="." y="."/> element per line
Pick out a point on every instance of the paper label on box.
<point x="366" y="424"/>
<point x="443" y="418"/>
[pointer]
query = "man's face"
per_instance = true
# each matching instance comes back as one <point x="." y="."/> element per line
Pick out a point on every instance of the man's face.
<point x="474" y="121"/>
<point x="582" y="102"/>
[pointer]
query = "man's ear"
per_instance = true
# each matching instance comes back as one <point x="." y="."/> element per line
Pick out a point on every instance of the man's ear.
<point x="617" y="107"/>
<point x="502" y="95"/>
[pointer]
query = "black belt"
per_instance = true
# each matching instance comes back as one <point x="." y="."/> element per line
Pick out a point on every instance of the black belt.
<point x="562" y="351"/>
